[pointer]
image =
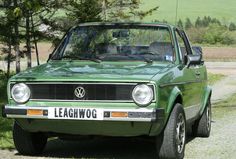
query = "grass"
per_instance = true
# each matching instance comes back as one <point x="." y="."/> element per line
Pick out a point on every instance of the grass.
<point x="224" y="108"/>
<point x="213" y="78"/>
<point x="229" y="102"/>
<point x="5" y="124"/>
<point x="220" y="9"/>
<point x="6" y="141"/>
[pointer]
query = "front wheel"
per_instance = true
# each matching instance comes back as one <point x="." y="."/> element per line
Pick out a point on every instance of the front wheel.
<point x="28" y="143"/>
<point x="171" y="143"/>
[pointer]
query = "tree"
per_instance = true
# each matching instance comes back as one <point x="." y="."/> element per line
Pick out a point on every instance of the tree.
<point x="28" y="8"/>
<point x="118" y="10"/>
<point x="27" y="15"/>
<point x="232" y="27"/>
<point x="188" y="24"/>
<point x="198" y="22"/>
<point x="215" y="21"/>
<point x="21" y="13"/>
<point x="206" y="21"/>
<point x="81" y="11"/>
<point x="6" y="38"/>
<point x="16" y="17"/>
<point x="180" y="24"/>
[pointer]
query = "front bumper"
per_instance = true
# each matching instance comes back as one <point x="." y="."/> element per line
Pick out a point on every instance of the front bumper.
<point x="78" y="113"/>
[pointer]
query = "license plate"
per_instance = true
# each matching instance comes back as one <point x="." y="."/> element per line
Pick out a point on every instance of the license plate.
<point x="75" y="113"/>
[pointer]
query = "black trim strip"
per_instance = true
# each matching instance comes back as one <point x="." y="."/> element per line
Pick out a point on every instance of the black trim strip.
<point x="3" y="112"/>
<point x="160" y="113"/>
<point x="15" y="112"/>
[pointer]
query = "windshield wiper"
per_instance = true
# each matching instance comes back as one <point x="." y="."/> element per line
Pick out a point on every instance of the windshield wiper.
<point x="97" y="60"/>
<point x="144" y="58"/>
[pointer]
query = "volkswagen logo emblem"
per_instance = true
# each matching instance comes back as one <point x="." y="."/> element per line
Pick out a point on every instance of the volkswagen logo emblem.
<point x="79" y="92"/>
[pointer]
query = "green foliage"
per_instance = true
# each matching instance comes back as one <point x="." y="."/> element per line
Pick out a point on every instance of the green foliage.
<point x="232" y="27"/>
<point x="3" y="86"/>
<point x="180" y="24"/>
<point x="6" y="124"/>
<point x="6" y="140"/>
<point x="188" y="24"/>
<point x="206" y="21"/>
<point x="123" y="10"/>
<point x="81" y="11"/>
<point x="209" y="30"/>
<point x="229" y="102"/>
<point x="213" y="78"/>
<point x="216" y="34"/>
<point x="196" y="34"/>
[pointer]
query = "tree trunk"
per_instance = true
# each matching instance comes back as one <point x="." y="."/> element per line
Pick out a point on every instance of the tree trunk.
<point x="35" y="41"/>
<point x="27" y="38"/>
<point x="17" y="47"/>
<point x="9" y="60"/>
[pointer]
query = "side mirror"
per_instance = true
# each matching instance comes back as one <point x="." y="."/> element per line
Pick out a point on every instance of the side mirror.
<point x="49" y="57"/>
<point x="197" y="50"/>
<point x="194" y="60"/>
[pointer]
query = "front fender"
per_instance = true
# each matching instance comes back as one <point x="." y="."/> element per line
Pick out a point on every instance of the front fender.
<point x="206" y="96"/>
<point x="172" y="98"/>
<point x="158" y="127"/>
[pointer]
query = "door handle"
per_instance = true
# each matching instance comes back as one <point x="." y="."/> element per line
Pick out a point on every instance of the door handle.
<point x="197" y="73"/>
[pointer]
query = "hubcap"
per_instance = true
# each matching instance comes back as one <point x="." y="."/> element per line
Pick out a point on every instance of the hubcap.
<point x="180" y="133"/>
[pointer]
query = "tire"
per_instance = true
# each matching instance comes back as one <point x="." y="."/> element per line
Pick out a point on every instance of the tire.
<point x="202" y="127"/>
<point x="171" y="143"/>
<point x="27" y="143"/>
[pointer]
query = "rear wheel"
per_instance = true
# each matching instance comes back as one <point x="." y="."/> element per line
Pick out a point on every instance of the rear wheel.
<point x="171" y="143"/>
<point x="202" y="127"/>
<point x="28" y="143"/>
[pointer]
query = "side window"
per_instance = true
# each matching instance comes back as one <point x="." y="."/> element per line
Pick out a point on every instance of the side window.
<point x="182" y="46"/>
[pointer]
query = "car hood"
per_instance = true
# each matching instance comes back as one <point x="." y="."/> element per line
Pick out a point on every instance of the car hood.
<point x="90" y="71"/>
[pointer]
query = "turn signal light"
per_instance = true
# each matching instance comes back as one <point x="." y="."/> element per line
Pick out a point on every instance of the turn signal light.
<point x="32" y="112"/>
<point x="119" y="114"/>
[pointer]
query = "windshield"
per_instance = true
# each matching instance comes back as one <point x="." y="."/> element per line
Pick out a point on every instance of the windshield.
<point x="117" y="43"/>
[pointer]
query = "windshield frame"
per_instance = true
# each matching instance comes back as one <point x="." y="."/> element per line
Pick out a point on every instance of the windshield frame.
<point x="64" y="41"/>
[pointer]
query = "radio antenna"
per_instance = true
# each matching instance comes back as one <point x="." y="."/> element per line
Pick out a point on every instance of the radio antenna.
<point x="176" y="13"/>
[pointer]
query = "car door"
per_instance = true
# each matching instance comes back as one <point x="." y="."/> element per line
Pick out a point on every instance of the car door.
<point x="191" y="87"/>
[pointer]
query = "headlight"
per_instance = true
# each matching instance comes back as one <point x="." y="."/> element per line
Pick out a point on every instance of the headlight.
<point x="20" y="93"/>
<point x="142" y="94"/>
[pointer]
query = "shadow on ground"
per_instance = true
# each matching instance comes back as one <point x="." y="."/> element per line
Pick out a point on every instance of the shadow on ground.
<point x="109" y="148"/>
<point x="102" y="148"/>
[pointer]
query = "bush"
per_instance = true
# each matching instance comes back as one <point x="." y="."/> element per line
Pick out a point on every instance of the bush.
<point x="217" y="34"/>
<point x="196" y="34"/>
<point x="209" y="30"/>
<point x="213" y="34"/>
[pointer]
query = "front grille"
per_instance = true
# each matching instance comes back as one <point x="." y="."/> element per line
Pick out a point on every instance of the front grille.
<point x="94" y="91"/>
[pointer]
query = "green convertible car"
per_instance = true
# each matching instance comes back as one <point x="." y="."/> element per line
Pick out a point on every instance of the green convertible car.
<point x="114" y="79"/>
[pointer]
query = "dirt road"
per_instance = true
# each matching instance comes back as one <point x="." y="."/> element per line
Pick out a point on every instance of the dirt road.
<point x="220" y="145"/>
<point x="226" y="87"/>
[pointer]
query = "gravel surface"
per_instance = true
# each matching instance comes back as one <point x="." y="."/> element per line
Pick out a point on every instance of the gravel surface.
<point x="220" y="145"/>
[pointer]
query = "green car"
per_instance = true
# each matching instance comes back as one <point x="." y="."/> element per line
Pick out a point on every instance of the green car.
<point x="114" y="79"/>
